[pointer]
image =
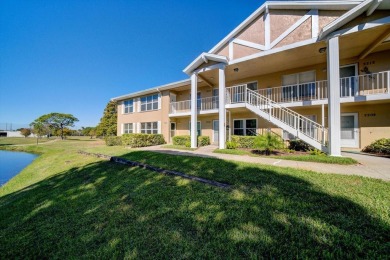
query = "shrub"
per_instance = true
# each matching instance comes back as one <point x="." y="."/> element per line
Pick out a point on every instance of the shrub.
<point x="142" y="140"/>
<point x="203" y="140"/>
<point x="113" y="140"/>
<point x="181" y="139"/>
<point x="186" y="140"/>
<point x="381" y="146"/>
<point x="268" y="142"/>
<point x="244" y="141"/>
<point x="299" y="145"/>
<point x="317" y="152"/>
<point x="231" y="145"/>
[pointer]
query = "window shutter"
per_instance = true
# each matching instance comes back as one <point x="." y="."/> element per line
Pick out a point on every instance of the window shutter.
<point x="122" y="128"/>
<point x="159" y="127"/>
<point x="122" y="103"/>
<point x="138" y="130"/>
<point x="159" y="100"/>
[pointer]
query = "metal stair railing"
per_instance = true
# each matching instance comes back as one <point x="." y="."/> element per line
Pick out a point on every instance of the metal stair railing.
<point x="301" y="124"/>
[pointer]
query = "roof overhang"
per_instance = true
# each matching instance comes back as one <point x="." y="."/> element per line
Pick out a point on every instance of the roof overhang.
<point x="347" y="17"/>
<point x="153" y="90"/>
<point x="205" y="58"/>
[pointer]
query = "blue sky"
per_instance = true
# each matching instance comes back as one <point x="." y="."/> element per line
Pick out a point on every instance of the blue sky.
<point x="73" y="56"/>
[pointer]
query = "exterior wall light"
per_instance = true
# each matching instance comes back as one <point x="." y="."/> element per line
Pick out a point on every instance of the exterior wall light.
<point x="235" y="69"/>
<point x="322" y="50"/>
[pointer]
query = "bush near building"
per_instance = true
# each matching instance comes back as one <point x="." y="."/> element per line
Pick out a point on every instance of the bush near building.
<point x="142" y="140"/>
<point x="185" y="140"/>
<point x="381" y="146"/>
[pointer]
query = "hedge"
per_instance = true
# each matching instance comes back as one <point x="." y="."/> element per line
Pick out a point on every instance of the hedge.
<point x="186" y="139"/>
<point x="380" y="146"/>
<point x="299" y="145"/>
<point x="113" y="140"/>
<point x="142" y="140"/>
<point x="181" y="139"/>
<point x="244" y="141"/>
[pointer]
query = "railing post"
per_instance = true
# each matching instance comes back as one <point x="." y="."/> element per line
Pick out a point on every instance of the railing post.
<point x="388" y="81"/>
<point x="245" y="92"/>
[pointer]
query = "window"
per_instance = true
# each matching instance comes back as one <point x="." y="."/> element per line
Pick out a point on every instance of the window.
<point x="299" y="85"/>
<point x="149" y="103"/>
<point x="252" y="86"/>
<point x="149" y="128"/>
<point x="128" y="106"/>
<point x="198" y="128"/>
<point x="245" y="127"/>
<point x="128" y="128"/>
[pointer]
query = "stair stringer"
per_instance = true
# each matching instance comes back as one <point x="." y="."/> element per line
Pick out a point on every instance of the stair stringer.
<point x="287" y="128"/>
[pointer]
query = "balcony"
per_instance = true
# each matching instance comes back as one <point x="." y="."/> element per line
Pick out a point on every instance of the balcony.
<point x="372" y="86"/>
<point x="351" y="88"/>
<point x="205" y="106"/>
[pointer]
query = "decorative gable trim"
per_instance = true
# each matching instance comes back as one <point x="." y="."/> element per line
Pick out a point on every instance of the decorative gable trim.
<point x="204" y="58"/>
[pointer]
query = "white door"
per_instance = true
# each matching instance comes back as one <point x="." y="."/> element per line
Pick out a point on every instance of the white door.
<point x="348" y="80"/>
<point x="349" y="130"/>
<point x="215" y="131"/>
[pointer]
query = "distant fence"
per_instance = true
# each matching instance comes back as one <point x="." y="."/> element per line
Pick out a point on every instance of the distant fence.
<point x="12" y="126"/>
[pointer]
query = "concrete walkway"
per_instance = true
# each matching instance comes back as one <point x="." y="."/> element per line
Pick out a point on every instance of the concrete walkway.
<point x="369" y="166"/>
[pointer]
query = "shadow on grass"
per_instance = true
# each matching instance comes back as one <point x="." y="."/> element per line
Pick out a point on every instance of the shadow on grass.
<point x="111" y="211"/>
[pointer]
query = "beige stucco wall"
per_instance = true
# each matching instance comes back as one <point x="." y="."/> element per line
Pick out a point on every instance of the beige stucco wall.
<point x="254" y="32"/>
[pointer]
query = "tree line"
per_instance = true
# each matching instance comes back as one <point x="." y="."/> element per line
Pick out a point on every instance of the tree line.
<point x="58" y="124"/>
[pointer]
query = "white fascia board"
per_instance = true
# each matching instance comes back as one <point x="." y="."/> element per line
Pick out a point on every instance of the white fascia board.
<point x="153" y="90"/>
<point x="204" y="58"/>
<point x="373" y="7"/>
<point x="345" y="18"/>
<point x="361" y="27"/>
<point x="320" y="5"/>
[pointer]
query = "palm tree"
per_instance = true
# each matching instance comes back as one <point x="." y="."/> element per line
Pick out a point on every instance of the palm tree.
<point x="268" y="142"/>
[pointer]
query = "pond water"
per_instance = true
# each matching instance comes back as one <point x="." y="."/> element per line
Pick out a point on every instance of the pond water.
<point x="11" y="163"/>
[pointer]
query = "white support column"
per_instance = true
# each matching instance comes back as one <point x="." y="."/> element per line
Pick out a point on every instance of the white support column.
<point x="333" y="64"/>
<point x="323" y="115"/>
<point x="194" y="112"/>
<point x="222" y="110"/>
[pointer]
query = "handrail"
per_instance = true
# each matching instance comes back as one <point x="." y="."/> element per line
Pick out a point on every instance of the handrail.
<point x="287" y="116"/>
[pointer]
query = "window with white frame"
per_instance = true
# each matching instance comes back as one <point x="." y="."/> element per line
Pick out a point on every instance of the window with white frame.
<point x="245" y="127"/>
<point x="299" y="85"/>
<point x="149" y="128"/>
<point x="149" y="103"/>
<point x="128" y="106"/>
<point x="128" y="128"/>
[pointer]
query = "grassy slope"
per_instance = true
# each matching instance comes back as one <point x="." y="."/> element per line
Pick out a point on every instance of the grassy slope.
<point x="4" y="141"/>
<point x="66" y="205"/>
<point x="306" y="158"/>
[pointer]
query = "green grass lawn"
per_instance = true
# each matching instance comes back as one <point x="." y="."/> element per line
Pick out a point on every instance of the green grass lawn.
<point x="21" y="140"/>
<point x="67" y="205"/>
<point x="306" y="158"/>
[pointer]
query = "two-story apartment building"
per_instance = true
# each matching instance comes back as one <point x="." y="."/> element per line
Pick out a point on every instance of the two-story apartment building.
<point x="316" y="70"/>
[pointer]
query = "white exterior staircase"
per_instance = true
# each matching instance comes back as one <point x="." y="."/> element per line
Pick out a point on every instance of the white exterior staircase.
<point x="296" y="124"/>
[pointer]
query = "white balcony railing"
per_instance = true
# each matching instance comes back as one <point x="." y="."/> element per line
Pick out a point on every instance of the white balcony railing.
<point x="203" y="104"/>
<point x="362" y="85"/>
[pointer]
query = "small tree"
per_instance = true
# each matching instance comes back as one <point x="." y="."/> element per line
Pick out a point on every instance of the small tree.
<point x="58" y="121"/>
<point x="107" y="125"/>
<point x="88" y="131"/>
<point x="268" y="142"/>
<point x="25" y="132"/>
<point x="39" y="129"/>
